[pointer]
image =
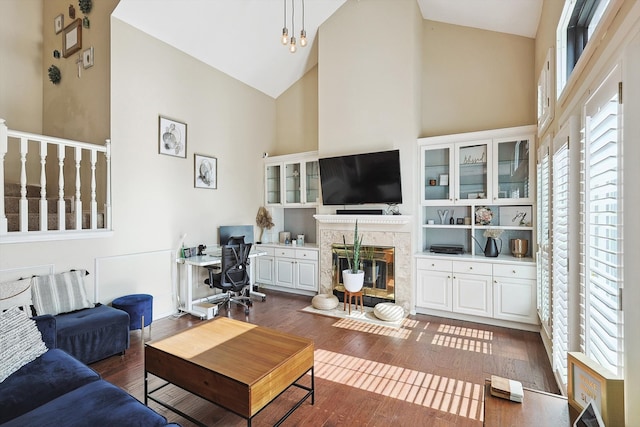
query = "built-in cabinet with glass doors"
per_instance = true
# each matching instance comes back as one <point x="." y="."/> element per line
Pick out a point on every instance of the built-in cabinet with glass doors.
<point x="292" y="180"/>
<point x="474" y="186"/>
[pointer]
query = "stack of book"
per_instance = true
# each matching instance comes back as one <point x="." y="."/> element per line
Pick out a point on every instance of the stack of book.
<point x="506" y="388"/>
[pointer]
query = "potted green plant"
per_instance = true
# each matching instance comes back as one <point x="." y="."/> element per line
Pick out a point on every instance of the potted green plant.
<point x="353" y="277"/>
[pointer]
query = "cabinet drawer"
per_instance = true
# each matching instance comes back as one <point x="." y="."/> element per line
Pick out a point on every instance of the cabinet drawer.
<point x="434" y="264"/>
<point x="519" y="271"/>
<point x="269" y="251"/>
<point x="472" y="267"/>
<point x="285" y="252"/>
<point x="306" y="254"/>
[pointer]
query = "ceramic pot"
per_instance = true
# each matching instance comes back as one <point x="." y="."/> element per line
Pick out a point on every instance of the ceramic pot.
<point x="352" y="281"/>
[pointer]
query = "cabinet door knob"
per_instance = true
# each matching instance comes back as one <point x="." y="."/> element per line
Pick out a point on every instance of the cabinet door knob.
<point x="433" y="265"/>
<point x="514" y="272"/>
<point x="470" y="268"/>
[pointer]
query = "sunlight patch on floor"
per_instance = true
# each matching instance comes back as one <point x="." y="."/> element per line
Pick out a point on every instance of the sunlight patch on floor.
<point x="450" y="395"/>
<point x="465" y="339"/>
<point x="356" y="325"/>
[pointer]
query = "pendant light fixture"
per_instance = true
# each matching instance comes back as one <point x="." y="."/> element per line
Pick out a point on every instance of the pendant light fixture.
<point x="291" y="41"/>
<point x="292" y="44"/>
<point x="303" y="33"/>
<point x="285" y="32"/>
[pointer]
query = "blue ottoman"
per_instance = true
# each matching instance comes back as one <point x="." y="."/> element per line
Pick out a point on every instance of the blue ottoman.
<point x="140" y="309"/>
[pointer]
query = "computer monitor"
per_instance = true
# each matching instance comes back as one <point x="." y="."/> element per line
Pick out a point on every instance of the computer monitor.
<point x="228" y="231"/>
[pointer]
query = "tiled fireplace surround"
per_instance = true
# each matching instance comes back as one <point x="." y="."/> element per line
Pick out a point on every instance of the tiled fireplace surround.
<point x="378" y="230"/>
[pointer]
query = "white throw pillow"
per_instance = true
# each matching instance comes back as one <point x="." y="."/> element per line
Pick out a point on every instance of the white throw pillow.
<point x="59" y="293"/>
<point x="20" y="341"/>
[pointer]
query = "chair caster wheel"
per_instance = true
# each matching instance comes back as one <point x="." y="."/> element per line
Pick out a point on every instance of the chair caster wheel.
<point x="264" y="299"/>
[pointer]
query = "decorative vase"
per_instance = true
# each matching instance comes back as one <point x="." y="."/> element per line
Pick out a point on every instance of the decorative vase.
<point x="491" y="248"/>
<point x="352" y="281"/>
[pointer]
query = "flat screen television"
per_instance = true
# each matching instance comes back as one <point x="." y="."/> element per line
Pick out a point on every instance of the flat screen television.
<point x="361" y="178"/>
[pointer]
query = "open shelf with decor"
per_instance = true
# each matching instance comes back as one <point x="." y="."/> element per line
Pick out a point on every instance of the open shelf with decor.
<point x="477" y="198"/>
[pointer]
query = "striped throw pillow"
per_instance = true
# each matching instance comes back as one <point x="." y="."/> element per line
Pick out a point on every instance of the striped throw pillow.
<point x="59" y="293"/>
<point x="20" y="341"/>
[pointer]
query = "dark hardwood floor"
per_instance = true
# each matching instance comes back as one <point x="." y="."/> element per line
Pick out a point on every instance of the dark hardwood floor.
<point x="429" y="372"/>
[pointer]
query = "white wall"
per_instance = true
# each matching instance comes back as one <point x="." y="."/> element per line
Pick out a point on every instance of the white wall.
<point x="154" y="199"/>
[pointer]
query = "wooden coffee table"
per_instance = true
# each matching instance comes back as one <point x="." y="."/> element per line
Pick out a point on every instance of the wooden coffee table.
<point x="236" y="365"/>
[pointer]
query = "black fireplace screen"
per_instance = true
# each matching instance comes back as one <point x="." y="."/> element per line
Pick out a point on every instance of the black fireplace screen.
<point x="377" y="262"/>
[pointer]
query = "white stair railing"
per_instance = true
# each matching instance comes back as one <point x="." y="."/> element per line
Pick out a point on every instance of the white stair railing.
<point x="18" y="142"/>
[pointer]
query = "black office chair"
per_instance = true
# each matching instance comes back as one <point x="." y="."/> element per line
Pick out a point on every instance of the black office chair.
<point x="233" y="277"/>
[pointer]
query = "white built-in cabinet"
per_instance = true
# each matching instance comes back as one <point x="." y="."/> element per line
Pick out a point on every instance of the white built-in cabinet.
<point x="291" y="269"/>
<point x="460" y="175"/>
<point x="488" y="290"/>
<point x="292" y="180"/>
<point x="463" y="174"/>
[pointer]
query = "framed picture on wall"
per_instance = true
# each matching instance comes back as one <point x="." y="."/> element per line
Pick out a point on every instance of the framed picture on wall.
<point x="205" y="171"/>
<point x="58" y="23"/>
<point x="72" y="38"/>
<point x="172" y="137"/>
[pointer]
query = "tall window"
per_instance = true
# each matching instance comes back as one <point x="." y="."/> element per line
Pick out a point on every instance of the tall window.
<point x="577" y="23"/>
<point x="560" y="251"/>
<point x="601" y="269"/>
<point x="544" y="260"/>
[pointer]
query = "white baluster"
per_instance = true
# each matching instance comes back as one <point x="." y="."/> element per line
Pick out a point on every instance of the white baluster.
<point x="44" y="208"/>
<point x="61" y="206"/>
<point x="107" y="208"/>
<point x="78" y="201"/>
<point x="94" y="203"/>
<point x="24" y="204"/>
<point x="4" y="223"/>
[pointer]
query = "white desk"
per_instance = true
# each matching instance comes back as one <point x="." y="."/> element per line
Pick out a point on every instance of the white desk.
<point x="207" y="260"/>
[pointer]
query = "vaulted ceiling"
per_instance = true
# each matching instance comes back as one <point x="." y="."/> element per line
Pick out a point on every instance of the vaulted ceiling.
<point x="241" y="37"/>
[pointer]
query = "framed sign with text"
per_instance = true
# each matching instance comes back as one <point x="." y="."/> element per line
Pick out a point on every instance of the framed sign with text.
<point x="590" y="382"/>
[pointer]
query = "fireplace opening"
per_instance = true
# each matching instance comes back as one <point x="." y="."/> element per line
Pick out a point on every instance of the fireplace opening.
<point x="377" y="262"/>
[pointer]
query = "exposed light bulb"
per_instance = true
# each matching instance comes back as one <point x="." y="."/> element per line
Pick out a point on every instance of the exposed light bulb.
<point x="303" y="38"/>
<point x="285" y="36"/>
<point x="292" y="46"/>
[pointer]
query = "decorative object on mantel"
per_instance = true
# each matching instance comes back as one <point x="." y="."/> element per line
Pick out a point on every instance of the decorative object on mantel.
<point x="285" y="31"/>
<point x="72" y="12"/>
<point x="483" y="215"/>
<point x="263" y="220"/>
<point x="58" y="23"/>
<point x="85" y="6"/>
<point x="206" y="170"/>
<point x="172" y="137"/>
<point x="54" y="74"/>
<point x="353" y="277"/>
<point x="72" y="38"/>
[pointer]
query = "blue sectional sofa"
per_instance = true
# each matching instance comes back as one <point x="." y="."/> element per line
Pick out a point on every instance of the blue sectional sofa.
<point x="92" y="334"/>
<point x="56" y="389"/>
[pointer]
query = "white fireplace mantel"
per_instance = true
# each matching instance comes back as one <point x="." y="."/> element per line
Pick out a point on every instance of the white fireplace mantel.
<point x="364" y="219"/>
<point x="378" y="230"/>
